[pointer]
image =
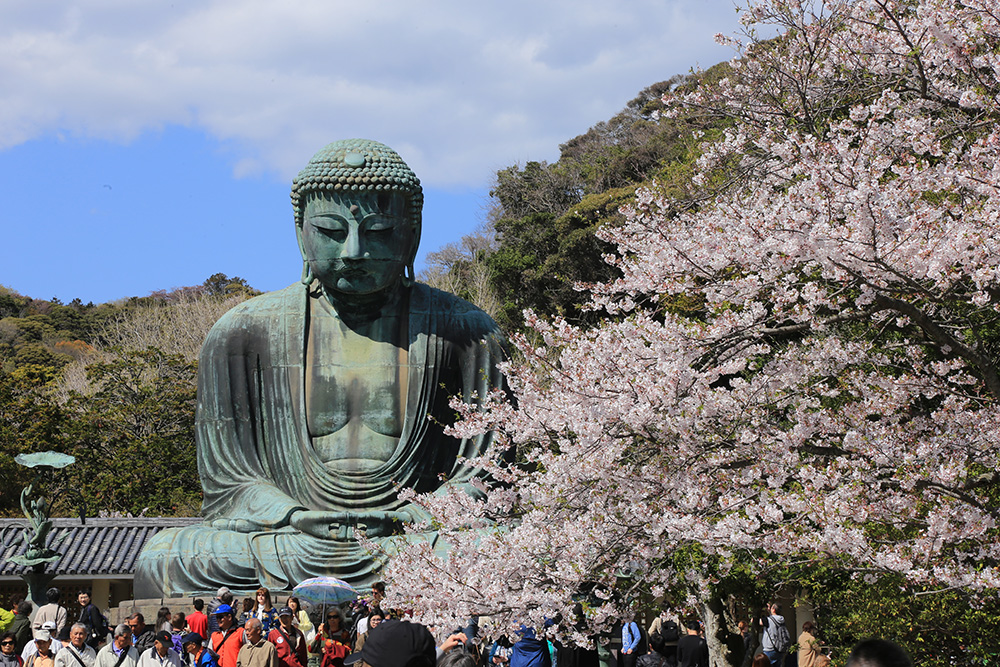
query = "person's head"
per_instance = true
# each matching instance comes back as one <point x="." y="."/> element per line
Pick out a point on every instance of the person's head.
<point x="83" y="597"/>
<point x="285" y="617"/>
<point x="376" y="617"/>
<point x="162" y="616"/>
<point x="293" y="603"/>
<point x="761" y="660"/>
<point x="122" y="636"/>
<point x="43" y="640"/>
<point x="52" y="595"/>
<point x="223" y="590"/>
<point x="254" y="629"/>
<point x="224" y="616"/>
<point x="397" y="644"/>
<point x="24" y="608"/>
<point x="192" y="643"/>
<point x="878" y="653"/>
<point x="358" y="215"/>
<point x="809" y="627"/>
<point x="693" y="626"/>
<point x="456" y="659"/>
<point x="199" y="604"/>
<point x="263" y="598"/>
<point x="137" y="622"/>
<point x="378" y="590"/>
<point x="7" y="642"/>
<point x="78" y="635"/>
<point x="248" y="604"/>
<point x="178" y="620"/>
<point x="743" y="627"/>
<point x="163" y="642"/>
<point x="776" y="609"/>
<point x="334" y="619"/>
<point x="227" y="597"/>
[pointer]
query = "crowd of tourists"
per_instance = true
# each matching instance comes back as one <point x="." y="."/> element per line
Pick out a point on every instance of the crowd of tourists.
<point x="255" y="632"/>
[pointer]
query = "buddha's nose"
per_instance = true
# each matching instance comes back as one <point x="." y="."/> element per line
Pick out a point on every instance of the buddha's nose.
<point x="354" y="245"/>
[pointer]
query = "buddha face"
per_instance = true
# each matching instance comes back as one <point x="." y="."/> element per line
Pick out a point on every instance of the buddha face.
<point x="357" y="244"/>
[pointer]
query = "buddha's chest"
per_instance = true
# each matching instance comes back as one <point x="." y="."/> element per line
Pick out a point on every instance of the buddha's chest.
<point x="356" y="389"/>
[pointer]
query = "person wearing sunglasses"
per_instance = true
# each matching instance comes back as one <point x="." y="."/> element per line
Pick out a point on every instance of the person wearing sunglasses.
<point x="8" y="654"/>
<point x="332" y="640"/>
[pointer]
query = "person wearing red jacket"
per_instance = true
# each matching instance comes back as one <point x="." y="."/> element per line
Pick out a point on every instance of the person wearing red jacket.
<point x="289" y="640"/>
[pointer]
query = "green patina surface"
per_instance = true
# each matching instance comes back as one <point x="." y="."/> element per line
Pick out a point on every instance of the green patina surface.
<point x="317" y="403"/>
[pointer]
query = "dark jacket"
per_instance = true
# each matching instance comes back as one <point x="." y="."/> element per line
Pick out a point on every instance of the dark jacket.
<point x="92" y="618"/>
<point x="21" y="627"/>
<point x="692" y="651"/>
<point x="144" y="640"/>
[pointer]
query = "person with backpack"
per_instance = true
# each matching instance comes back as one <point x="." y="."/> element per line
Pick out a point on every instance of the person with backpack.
<point x="118" y="652"/>
<point x="91" y="616"/>
<point x="227" y="641"/>
<point x="52" y="611"/>
<point x="775" y="640"/>
<point x="288" y="640"/>
<point x="632" y="646"/>
<point x="665" y="633"/>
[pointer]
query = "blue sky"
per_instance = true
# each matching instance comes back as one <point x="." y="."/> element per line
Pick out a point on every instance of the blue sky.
<point x="148" y="145"/>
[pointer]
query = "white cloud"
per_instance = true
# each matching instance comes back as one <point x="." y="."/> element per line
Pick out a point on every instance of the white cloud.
<point x="459" y="88"/>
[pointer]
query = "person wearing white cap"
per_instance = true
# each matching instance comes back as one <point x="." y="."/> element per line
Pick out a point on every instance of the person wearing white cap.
<point x="44" y="635"/>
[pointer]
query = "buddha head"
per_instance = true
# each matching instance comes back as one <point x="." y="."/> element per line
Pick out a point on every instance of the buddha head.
<point x="357" y="215"/>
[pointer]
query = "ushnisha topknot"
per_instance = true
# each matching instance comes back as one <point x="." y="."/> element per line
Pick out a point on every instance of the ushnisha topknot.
<point x="357" y="165"/>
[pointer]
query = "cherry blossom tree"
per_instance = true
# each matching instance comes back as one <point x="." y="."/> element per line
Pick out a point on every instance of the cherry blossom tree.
<point x="800" y="360"/>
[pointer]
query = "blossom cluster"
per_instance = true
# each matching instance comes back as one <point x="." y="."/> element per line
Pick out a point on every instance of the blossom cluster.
<point x="803" y="363"/>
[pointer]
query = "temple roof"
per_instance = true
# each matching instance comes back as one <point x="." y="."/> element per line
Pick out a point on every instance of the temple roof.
<point x="104" y="547"/>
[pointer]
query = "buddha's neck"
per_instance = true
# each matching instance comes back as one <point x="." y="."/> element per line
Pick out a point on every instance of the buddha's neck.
<point x="366" y="308"/>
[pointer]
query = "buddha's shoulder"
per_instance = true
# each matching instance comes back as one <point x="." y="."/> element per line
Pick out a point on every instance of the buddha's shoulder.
<point x="264" y="308"/>
<point x="453" y="311"/>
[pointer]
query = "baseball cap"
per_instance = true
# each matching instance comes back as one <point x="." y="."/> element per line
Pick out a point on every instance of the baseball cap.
<point x="43" y="635"/>
<point x="49" y="625"/>
<point x="394" y="644"/>
<point x="223" y="609"/>
<point x="164" y="638"/>
<point x="222" y="591"/>
<point x="285" y="611"/>
<point x="192" y="638"/>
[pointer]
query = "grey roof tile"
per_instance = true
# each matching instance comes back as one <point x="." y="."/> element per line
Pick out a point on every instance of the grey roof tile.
<point x="101" y="547"/>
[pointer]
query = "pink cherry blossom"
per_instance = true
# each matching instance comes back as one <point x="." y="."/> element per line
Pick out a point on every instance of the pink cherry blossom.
<point x="804" y="360"/>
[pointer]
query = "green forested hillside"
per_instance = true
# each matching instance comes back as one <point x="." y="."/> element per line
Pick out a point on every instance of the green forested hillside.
<point x="112" y="384"/>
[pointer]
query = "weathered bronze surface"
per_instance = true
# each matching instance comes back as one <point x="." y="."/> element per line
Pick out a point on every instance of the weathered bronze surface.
<point x="317" y="403"/>
<point x="37" y="507"/>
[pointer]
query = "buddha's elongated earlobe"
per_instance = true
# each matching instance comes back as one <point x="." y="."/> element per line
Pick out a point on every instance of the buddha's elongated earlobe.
<point x="307" y="273"/>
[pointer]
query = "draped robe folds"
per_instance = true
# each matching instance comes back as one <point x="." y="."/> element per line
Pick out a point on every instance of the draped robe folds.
<point x="257" y="462"/>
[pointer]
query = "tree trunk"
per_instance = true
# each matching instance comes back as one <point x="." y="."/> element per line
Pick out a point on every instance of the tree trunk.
<point x="724" y="644"/>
